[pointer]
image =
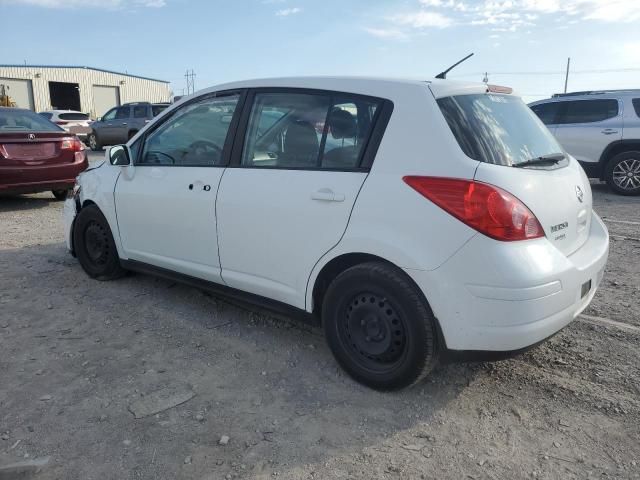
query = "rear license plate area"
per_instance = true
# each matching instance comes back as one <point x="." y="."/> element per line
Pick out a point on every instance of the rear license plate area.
<point x="585" y="289"/>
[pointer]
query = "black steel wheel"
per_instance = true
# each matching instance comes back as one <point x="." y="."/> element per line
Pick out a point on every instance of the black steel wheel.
<point x="94" y="245"/>
<point x="379" y="327"/>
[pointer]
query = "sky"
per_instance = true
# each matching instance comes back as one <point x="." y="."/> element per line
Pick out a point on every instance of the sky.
<point x="519" y="43"/>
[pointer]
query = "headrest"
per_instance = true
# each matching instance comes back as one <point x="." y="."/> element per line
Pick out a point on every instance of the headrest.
<point x="342" y="124"/>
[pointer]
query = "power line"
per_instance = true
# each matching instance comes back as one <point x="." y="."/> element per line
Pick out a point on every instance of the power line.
<point x="559" y="72"/>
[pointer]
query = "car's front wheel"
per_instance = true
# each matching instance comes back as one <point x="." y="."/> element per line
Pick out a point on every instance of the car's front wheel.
<point x="94" y="245"/>
<point x="60" y="194"/>
<point x="623" y="173"/>
<point x="94" y="143"/>
<point x="379" y="327"/>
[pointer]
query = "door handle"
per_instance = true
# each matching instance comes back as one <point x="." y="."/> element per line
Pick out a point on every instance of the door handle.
<point x="327" y="195"/>
<point x="609" y="131"/>
<point x="124" y="123"/>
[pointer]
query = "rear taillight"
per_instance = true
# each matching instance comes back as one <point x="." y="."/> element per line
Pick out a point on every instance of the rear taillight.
<point x="71" y="143"/>
<point x="486" y="208"/>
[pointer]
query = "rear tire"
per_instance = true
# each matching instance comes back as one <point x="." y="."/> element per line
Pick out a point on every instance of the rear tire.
<point x="94" y="245"/>
<point x="379" y="327"/>
<point x="60" y="194"/>
<point x="623" y="173"/>
<point x="94" y="143"/>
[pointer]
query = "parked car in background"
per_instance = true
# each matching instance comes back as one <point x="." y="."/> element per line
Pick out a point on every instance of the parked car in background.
<point x="76" y="123"/>
<point x="121" y="123"/>
<point x="423" y="218"/>
<point x="37" y="155"/>
<point x="601" y="129"/>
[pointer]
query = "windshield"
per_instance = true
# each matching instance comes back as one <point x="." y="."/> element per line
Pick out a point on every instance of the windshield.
<point x="498" y="129"/>
<point x="25" y="120"/>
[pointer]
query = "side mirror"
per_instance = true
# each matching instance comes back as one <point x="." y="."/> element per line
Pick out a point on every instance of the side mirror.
<point x="119" y="156"/>
<point x="99" y="119"/>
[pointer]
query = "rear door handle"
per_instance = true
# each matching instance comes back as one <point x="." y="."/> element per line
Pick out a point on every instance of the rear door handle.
<point x="124" y="123"/>
<point x="609" y="131"/>
<point x="327" y="195"/>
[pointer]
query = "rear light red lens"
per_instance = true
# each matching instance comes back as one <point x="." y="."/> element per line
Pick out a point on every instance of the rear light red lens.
<point x="60" y="122"/>
<point x="486" y="208"/>
<point x="71" y="143"/>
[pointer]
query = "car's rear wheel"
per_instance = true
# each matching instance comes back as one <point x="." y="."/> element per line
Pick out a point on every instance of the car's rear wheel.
<point x="379" y="327"/>
<point x="94" y="143"/>
<point x="623" y="173"/>
<point x="60" y="194"/>
<point x="94" y="245"/>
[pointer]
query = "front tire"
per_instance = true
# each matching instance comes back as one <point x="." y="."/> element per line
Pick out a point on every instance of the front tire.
<point x="623" y="173"/>
<point x="379" y="327"/>
<point x="94" y="245"/>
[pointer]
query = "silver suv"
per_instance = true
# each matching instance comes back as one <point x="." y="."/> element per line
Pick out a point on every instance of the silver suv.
<point x="121" y="123"/>
<point x="601" y="129"/>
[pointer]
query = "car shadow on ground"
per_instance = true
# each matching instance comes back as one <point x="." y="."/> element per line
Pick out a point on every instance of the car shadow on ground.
<point x="268" y="383"/>
<point x="16" y="203"/>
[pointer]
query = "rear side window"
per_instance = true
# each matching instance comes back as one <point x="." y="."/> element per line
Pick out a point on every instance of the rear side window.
<point x="140" y="111"/>
<point x="308" y="130"/>
<point x="636" y="106"/>
<point x="158" y="109"/>
<point x="73" y="116"/>
<point x="547" y="112"/>
<point x="588" y="111"/>
<point x="497" y="129"/>
<point x="25" y="121"/>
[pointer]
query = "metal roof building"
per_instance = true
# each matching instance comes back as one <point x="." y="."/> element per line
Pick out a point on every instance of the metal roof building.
<point x="86" y="89"/>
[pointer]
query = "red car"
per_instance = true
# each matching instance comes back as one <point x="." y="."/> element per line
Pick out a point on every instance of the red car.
<point x="37" y="155"/>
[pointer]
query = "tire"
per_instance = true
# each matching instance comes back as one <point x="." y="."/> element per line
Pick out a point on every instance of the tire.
<point x="379" y="326"/>
<point x="60" y="194"/>
<point x="94" y="143"/>
<point x="94" y="245"/>
<point x="623" y="173"/>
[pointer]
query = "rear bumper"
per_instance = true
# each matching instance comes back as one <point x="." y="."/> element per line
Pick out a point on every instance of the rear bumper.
<point x="499" y="297"/>
<point x="41" y="178"/>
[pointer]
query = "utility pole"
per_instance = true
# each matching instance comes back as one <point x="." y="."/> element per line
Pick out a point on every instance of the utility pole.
<point x="486" y="77"/>
<point x="191" y="82"/>
<point x="566" y="77"/>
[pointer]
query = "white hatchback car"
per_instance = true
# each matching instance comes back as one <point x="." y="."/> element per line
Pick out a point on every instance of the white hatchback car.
<point x="414" y="219"/>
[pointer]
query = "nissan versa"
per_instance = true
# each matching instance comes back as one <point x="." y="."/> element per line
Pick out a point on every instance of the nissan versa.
<point x="413" y="219"/>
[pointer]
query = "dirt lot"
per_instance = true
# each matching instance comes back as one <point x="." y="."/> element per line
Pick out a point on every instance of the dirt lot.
<point x="79" y="357"/>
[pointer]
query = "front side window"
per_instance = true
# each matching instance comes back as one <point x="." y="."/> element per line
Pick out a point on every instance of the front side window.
<point x="547" y="112"/>
<point x="140" y="111"/>
<point x="307" y="130"/>
<point x="110" y="115"/>
<point x="122" y="112"/>
<point x="588" y="111"/>
<point x="194" y="135"/>
<point x="498" y="129"/>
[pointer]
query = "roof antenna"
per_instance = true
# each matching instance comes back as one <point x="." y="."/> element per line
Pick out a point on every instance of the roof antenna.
<point x="443" y="75"/>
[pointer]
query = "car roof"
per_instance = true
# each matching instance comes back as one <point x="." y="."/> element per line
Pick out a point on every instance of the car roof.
<point x="62" y="111"/>
<point x="374" y="86"/>
<point x="590" y="95"/>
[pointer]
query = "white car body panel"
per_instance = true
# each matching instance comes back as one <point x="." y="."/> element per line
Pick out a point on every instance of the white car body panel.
<point x="274" y="239"/>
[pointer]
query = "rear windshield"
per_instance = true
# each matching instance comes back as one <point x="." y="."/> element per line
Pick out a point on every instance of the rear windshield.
<point x="157" y="109"/>
<point x="73" y="116"/>
<point x="497" y="129"/>
<point x="25" y="120"/>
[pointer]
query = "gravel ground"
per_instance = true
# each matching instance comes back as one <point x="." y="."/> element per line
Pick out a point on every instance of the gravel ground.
<point x="88" y="369"/>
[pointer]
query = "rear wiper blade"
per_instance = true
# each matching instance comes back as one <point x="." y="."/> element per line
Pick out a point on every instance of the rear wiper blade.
<point x="552" y="158"/>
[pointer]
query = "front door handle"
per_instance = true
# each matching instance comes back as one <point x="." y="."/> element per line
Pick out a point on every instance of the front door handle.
<point x="124" y="123"/>
<point x="609" y="131"/>
<point x="327" y="195"/>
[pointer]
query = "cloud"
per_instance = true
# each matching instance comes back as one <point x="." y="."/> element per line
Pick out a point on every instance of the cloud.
<point x="422" y="19"/>
<point x="285" y="12"/>
<point x="387" y="33"/>
<point x="106" y="4"/>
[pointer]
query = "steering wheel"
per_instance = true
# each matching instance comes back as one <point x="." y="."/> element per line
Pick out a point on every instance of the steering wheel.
<point x="201" y="147"/>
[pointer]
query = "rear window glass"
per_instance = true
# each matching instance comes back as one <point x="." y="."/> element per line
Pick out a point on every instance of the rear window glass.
<point x="498" y="129"/>
<point x="46" y="115"/>
<point x="122" y="112"/>
<point x="636" y="106"/>
<point x="588" y="111"/>
<point x="73" y="116"/>
<point x="157" y="109"/>
<point x="25" y="120"/>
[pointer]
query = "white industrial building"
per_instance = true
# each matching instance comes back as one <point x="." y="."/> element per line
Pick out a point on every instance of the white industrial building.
<point x="85" y="89"/>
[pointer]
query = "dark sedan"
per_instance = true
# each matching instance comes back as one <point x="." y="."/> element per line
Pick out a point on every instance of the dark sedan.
<point x="37" y="155"/>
